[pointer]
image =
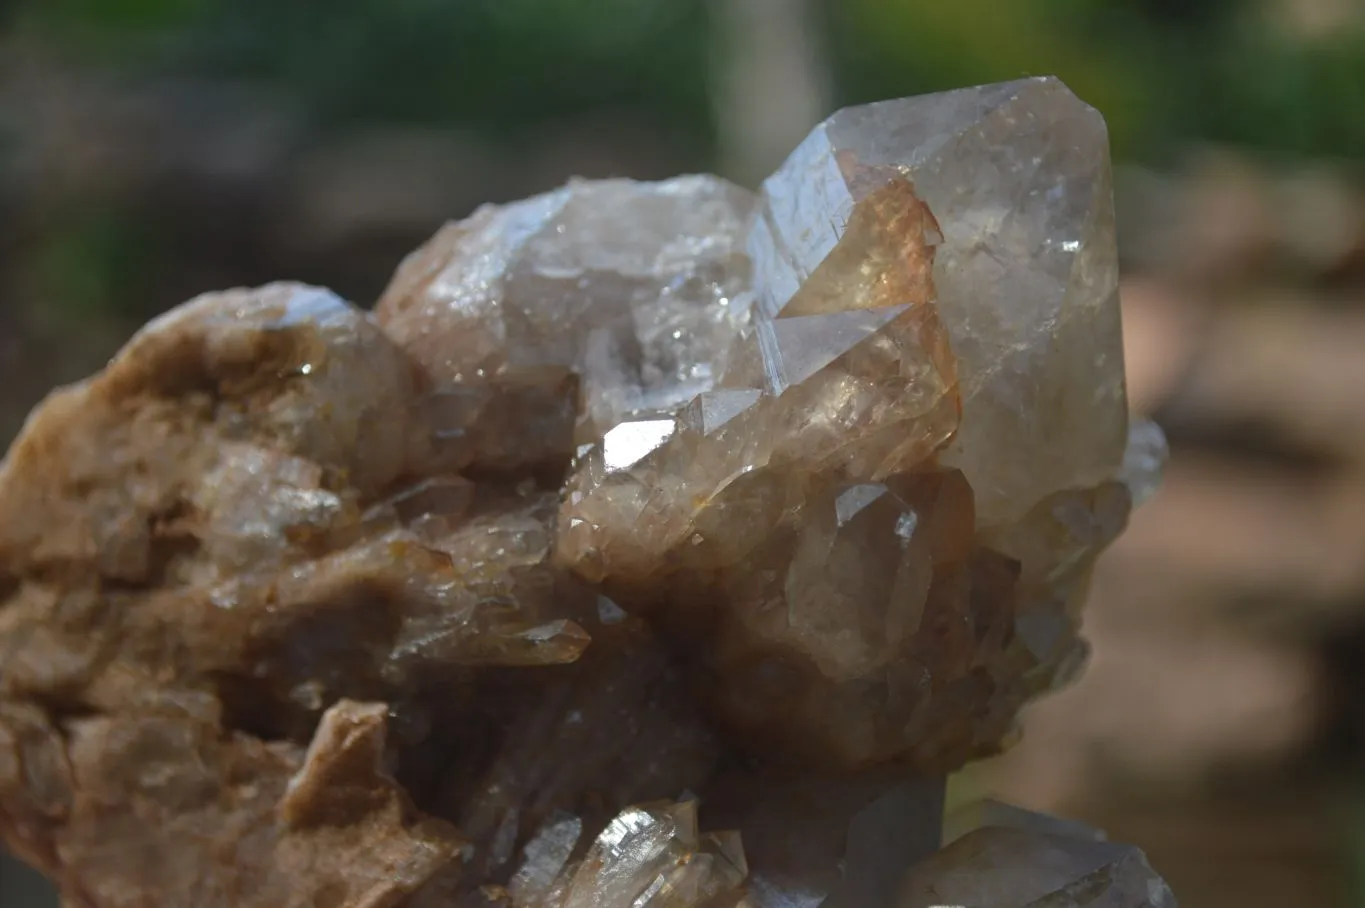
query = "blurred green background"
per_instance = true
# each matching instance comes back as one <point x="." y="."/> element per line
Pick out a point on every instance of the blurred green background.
<point x="154" y="149"/>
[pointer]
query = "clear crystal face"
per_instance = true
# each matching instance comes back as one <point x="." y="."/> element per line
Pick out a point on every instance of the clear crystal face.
<point x="651" y="857"/>
<point x="635" y="511"/>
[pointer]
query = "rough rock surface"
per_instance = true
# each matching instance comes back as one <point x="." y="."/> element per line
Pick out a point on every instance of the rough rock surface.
<point x="628" y="498"/>
<point x="165" y="807"/>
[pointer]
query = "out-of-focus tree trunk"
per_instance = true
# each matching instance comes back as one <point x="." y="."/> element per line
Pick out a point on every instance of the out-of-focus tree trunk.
<point x="771" y="83"/>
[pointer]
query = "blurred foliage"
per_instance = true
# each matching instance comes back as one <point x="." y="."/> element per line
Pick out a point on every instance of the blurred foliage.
<point x="1299" y="97"/>
<point x="100" y="258"/>
<point x="884" y="48"/>
<point x="1163" y="71"/>
<point x="494" y="64"/>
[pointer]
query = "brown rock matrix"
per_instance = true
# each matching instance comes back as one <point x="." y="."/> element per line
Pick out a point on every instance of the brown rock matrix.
<point x="634" y="511"/>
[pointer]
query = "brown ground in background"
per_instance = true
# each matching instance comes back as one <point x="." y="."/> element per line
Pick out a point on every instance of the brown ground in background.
<point x="1218" y="722"/>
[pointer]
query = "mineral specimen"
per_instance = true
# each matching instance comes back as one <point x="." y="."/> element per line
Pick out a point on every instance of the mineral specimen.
<point x="634" y="510"/>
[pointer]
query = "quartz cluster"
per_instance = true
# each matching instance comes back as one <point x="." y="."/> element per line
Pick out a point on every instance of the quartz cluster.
<point x="633" y="510"/>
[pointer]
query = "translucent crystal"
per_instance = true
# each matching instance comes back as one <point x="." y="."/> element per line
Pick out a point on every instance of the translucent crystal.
<point x="891" y="502"/>
<point x="544" y="858"/>
<point x="998" y="867"/>
<point x="635" y="287"/>
<point x="653" y="857"/>
<point x="1144" y="460"/>
<point x="1014" y="183"/>
<point x="573" y="740"/>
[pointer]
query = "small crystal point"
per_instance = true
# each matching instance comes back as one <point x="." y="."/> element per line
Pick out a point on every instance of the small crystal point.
<point x="855" y="498"/>
<point x="632" y="286"/>
<point x="544" y="857"/>
<point x="652" y="856"/>
<point x="999" y="867"/>
<point x="1144" y="460"/>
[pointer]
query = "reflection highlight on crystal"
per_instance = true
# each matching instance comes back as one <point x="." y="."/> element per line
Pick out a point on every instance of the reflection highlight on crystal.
<point x="629" y="443"/>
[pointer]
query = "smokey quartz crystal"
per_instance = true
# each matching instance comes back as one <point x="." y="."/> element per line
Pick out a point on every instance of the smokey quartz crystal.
<point x="873" y="535"/>
<point x="649" y="544"/>
<point x="1003" y="867"/>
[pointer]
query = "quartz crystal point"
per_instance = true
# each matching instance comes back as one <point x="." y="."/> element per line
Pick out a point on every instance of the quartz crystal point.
<point x="649" y="856"/>
<point x="1004" y="867"/>
<point x="1003" y="857"/>
<point x="634" y="288"/>
<point x="1026" y="272"/>
<point x="874" y="534"/>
